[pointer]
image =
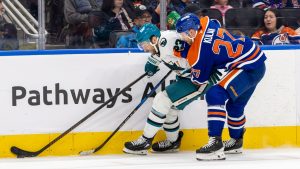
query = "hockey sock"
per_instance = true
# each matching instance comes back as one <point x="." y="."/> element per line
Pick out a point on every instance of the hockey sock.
<point x="160" y="108"/>
<point x="172" y="130"/>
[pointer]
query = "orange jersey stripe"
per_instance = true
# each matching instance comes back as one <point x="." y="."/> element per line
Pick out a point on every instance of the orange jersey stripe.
<point x="236" y="123"/>
<point x="193" y="54"/>
<point x="217" y="113"/>
<point x="227" y="77"/>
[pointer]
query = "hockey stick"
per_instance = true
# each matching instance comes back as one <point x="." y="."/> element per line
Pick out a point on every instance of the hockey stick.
<point x="23" y="153"/>
<point x="88" y="152"/>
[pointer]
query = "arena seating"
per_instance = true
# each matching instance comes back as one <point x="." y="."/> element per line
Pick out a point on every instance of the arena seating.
<point x="213" y="14"/>
<point x="291" y="17"/>
<point x="246" y="20"/>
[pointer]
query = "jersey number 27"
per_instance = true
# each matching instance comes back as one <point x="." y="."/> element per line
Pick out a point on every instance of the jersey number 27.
<point x="231" y="52"/>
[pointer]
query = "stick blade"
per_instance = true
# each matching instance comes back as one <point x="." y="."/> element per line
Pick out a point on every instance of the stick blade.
<point x="85" y="153"/>
<point x="22" y="153"/>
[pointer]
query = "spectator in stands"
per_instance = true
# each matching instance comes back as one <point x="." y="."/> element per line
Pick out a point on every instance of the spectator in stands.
<point x="142" y="16"/>
<point x="114" y="15"/>
<point x="55" y="20"/>
<point x="79" y="34"/>
<point x="222" y="6"/>
<point x="266" y="4"/>
<point x="172" y="5"/>
<point x="33" y="8"/>
<point x="274" y="32"/>
<point x="154" y="8"/>
<point x="117" y="9"/>
<point x="133" y="4"/>
<point x="172" y="18"/>
<point x="179" y="5"/>
<point x="9" y="39"/>
<point x="8" y="33"/>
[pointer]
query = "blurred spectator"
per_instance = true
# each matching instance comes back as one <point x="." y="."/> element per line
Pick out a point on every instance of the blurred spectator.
<point x="222" y="6"/>
<point x="117" y="9"/>
<point x="266" y="4"/>
<point x="79" y="33"/>
<point x="33" y="8"/>
<point x="154" y="8"/>
<point x="172" y="5"/>
<point x="8" y="33"/>
<point x="132" y="4"/>
<point x="55" y="19"/>
<point x="9" y="39"/>
<point x="179" y="5"/>
<point x="274" y="32"/>
<point x="142" y="16"/>
<point x="114" y="15"/>
<point x="172" y="18"/>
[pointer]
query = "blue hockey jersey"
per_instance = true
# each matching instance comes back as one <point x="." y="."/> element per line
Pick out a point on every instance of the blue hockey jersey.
<point x="215" y="48"/>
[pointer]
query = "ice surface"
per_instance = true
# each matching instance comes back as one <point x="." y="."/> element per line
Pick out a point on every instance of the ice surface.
<point x="286" y="158"/>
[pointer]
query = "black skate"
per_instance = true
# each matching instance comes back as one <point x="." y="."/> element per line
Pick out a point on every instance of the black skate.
<point x="167" y="146"/>
<point x="234" y="146"/>
<point x="213" y="150"/>
<point x="139" y="146"/>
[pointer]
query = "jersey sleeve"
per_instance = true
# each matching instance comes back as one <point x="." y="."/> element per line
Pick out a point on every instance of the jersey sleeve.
<point x="256" y="37"/>
<point x="293" y="36"/>
<point x="201" y="71"/>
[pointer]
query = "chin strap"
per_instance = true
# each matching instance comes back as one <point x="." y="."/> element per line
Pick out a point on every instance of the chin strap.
<point x="192" y="38"/>
<point x="155" y="46"/>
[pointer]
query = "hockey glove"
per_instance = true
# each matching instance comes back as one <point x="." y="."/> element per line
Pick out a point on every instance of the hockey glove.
<point x="215" y="77"/>
<point x="151" y="66"/>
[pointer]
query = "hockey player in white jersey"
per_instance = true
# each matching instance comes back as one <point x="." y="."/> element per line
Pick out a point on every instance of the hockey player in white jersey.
<point x="166" y="104"/>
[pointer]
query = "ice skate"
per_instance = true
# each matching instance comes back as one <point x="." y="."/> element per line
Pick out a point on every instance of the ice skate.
<point x="139" y="146"/>
<point x="214" y="150"/>
<point x="234" y="146"/>
<point x="167" y="146"/>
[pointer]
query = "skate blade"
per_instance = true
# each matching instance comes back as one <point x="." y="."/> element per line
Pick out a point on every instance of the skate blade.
<point x="235" y="151"/>
<point x="218" y="155"/>
<point x="167" y="151"/>
<point x="141" y="152"/>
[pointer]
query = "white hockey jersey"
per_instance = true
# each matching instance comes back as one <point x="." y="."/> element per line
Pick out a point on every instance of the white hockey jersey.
<point x="167" y="41"/>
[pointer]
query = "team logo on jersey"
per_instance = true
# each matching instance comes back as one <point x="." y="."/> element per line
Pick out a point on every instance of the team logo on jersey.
<point x="280" y="39"/>
<point x="196" y="73"/>
<point x="163" y="42"/>
<point x="179" y="45"/>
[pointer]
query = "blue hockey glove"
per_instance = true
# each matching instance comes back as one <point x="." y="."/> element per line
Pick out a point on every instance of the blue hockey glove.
<point x="215" y="77"/>
<point x="151" y="66"/>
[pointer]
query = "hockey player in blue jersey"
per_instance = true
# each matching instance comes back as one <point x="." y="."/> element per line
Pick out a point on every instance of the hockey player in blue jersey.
<point x="212" y="47"/>
<point x="166" y="104"/>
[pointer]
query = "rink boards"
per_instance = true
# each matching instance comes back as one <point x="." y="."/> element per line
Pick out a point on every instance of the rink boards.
<point x="43" y="93"/>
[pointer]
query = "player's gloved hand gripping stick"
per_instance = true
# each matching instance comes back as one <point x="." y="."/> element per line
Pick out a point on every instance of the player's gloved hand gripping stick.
<point x="23" y="153"/>
<point x="151" y="67"/>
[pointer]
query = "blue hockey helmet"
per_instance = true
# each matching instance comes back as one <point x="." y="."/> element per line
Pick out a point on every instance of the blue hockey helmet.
<point x="146" y="32"/>
<point x="188" y="21"/>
